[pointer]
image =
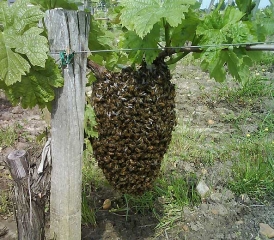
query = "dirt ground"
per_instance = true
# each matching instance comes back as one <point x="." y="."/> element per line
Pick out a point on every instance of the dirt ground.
<point x="223" y="215"/>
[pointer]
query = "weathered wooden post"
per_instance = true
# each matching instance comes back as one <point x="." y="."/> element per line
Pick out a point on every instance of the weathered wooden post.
<point x="68" y="30"/>
<point x="30" y="194"/>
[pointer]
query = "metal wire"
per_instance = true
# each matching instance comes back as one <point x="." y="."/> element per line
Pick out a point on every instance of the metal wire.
<point x="189" y="48"/>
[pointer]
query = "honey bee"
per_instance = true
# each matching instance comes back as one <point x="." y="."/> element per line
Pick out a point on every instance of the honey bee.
<point x="123" y="171"/>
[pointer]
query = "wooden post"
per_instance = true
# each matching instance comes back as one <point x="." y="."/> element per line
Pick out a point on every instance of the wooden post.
<point x="68" y="30"/>
<point x="30" y="194"/>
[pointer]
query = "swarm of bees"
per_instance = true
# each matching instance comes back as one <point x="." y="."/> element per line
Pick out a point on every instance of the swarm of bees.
<point x="135" y="114"/>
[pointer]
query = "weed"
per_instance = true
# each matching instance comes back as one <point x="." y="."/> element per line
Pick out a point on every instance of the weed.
<point x="174" y="193"/>
<point x="237" y="119"/>
<point x="5" y="205"/>
<point x="248" y="91"/>
<point x="267" y="59"/>
<point x="179" y="189"/>
<point x="90" y="175"/>
<point x="267" y="124"/>
<point x="256" y="87"/>
<point x="88" y="213"/>
<point x="91" y="172"/>
<point x="141" y="204"/>
<point x="8" y="136"/>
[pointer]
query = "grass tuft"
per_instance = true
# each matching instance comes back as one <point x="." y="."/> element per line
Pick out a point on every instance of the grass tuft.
<point x="5" y="203"/>
<point x="8" y="136"/>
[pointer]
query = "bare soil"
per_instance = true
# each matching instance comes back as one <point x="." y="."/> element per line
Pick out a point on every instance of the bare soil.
<point x="222" y="215"/>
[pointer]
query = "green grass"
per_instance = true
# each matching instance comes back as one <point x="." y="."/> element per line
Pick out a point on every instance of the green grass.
<point x="192" y="145"/>
<point x="176" y="192"/>
<point x="8" y="136"/>
<point x="253" y="170"/>
<point x="267" y="60"/>
<point x="248" y="91"/>
<point x="92" y="177"/>
<point x="5" y="203"/>
<point x="88" y="213"/>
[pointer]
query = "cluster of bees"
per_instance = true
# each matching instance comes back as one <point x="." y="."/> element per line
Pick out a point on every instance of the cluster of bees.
<point x="135" y="114"/>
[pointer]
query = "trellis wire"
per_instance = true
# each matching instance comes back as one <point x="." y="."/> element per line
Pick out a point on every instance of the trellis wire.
<point x="254" y="46"/>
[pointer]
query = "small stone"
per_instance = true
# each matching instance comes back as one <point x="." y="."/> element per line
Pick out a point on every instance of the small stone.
<point x="107" y="204"/>
<point x="266" y="230"/>
<point x="185" y="228"/>
<point x="2" y="167"/>
<point x="215" y="211"/>
<point x="189" y="167"/>
<point x="202" y="188"/>
<point x="249" y="128"/>
<point x="193" y="226"/>
<point x="210" y="122"/>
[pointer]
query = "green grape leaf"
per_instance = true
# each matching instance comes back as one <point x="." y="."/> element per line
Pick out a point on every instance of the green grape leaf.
<point x="20" y="15"/>
<point x="90" y="122"/>
<point x="93" y="41"/>
<point x="185" y="31"/>
<point x="21" y="42"/>
<point x="91" y="78"/>
<point x="236" y="61"/>
<point x="246" y="6"/>
<point x="211" y="60"/>
<point x="31" y="43"/>
<point x="265" y="21"/>
<point x="141" y="15"/>
<point x="37" y="87"/>
<point x="12" y="65"/>
<point x="231" y="15"/>
<point x="150" y="41"/>
<point x="6" y="19"/>
<point x="225" y="28"/>
<point x="99" y="41"/>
